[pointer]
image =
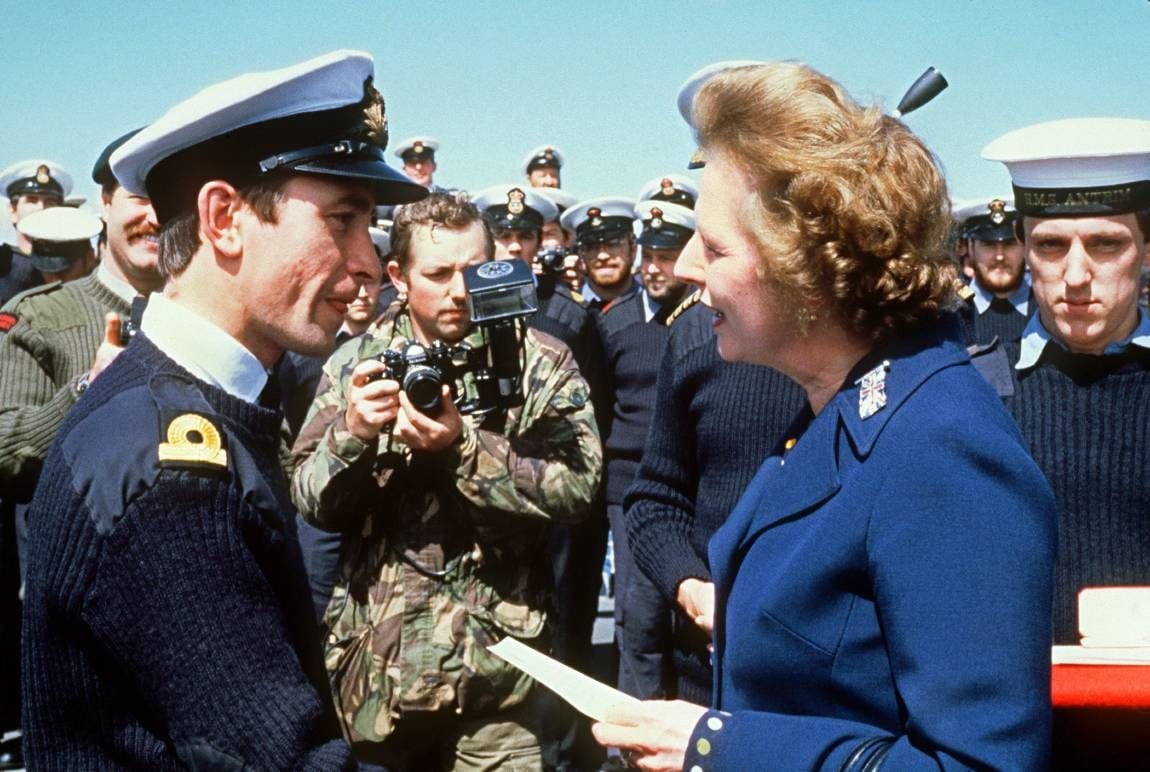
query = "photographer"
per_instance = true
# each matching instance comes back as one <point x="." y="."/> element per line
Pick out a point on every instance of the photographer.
<point x="445" y="516"/>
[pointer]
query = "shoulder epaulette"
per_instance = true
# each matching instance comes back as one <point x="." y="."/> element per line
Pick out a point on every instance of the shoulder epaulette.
<point x="578" y="298"/>
<point x="691" y="300"/>
<point x="965" y="291"/>
<point x="39" y="289"/>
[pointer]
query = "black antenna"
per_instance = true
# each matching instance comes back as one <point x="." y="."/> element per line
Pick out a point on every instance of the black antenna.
<point x="929" y="85"/>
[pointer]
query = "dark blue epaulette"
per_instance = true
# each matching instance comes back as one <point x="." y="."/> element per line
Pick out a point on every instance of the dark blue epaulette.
<point x="993" y="363"/>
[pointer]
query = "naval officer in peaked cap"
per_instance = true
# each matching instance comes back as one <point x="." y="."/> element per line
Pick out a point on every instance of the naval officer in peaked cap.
<point x="167" y="619"/>
<point x="997" y="302"/>
<point x="605" y="236"/>
<point x="418" y="156"/>
<point x="542" y="167"/>
<point x="29" y="187"/>
<point x="61" y="239"/>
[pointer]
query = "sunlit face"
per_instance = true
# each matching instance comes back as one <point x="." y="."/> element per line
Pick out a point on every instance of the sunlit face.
<point x="420" y="170"/>
<point x="1084" y="272"/>
<point x="553" y="235"/>
<point x="657" y="271"/>
<point x="544" y="177"/>
<point x="132" y="238"/>
<point x="515" y="244"/>
<point x="300" y="273"/>
<point x="362" y="310"/>
<point x="608" y="265"/>
<point x="723" y="260"/>
<point x="998" y="265"/>
<point x="433" y="280"/>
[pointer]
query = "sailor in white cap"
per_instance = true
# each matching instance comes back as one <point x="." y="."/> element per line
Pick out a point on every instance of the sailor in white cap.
<point x="671" y="187"/>
<point x="667" y="227"/>
<point x="605" y="237"/>
<point x="418" y="156"/>
<point x="515" y="214"/>
<point x="31" y="186"/>
<point x="61" y="239"/>
<point x="1080" y="386"/>
<point x="264" y="187"/>
<point x="542" y="167"/>
<point x="997" y="301"/>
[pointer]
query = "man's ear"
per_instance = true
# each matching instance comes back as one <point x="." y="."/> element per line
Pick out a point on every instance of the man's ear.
<point x="217" y="204"/>
<point x="396" y="276"/>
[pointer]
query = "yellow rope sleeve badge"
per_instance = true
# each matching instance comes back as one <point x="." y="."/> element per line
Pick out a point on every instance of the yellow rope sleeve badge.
<point x="193" y="439"/>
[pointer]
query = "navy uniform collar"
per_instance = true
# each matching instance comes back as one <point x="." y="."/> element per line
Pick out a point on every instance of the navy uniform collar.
<point x="1020" y="298"/>
<point x="1035" y="338"/>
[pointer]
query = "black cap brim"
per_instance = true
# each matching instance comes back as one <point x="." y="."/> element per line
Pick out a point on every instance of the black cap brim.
<point x="389" y="185"/>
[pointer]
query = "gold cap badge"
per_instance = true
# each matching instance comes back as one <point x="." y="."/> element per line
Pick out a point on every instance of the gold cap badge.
<point x="668" y="187"/>
<point x="997" y="209"/>
<point x="515" y="198"/>
<point x="43" y="174"/>
<point x="656" y="217"/>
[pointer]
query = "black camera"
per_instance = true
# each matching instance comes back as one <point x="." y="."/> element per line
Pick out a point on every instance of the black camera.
<point x="501" y="298"/>
<point x="422" y="370"/>
<point x="551" y="259"/>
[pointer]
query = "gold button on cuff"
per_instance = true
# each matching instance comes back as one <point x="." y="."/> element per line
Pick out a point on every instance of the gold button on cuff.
<point x="703" y="746"/>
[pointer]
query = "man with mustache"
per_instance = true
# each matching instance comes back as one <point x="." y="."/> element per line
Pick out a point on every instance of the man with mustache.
<point x="57" y="338"/>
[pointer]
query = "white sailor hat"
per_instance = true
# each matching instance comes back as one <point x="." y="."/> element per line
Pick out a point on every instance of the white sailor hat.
<point x="1077" y="167"/>
<point x="690" y="89"/>
<point x="321" y="117"/>
<point x="597" y="220"/>
<point x="36" y="176"/>
<point x="666" y="225"/>
<point x="561" y="198"/>
<point x="514" y="207"/>
<point x="986" y="220"/>
<point x="59" y="235"/>
<point x="381" y="239"/>
<point x="544" y="155"/>
<point x="671" y="187"/>
<point x="417" y="149"/>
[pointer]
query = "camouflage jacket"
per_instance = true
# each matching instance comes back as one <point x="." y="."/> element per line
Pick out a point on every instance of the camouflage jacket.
<point x="443" y="553"/>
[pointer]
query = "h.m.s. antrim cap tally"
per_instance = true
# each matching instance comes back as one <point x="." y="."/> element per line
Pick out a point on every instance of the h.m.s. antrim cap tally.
<point x="1077" y="167"/>
<point x="417" y="149"/>
<point x="38" y="177"/>
<point x="665" y="225"/>
<point x="320" y="117"/>
<point x="59" y="235"/>
<point x="514" y="207"/>
<point x="544" y="155"/>
<point x="671" y="187"/>
<point x="987" y="220"/>
<point x="598" y="220"/>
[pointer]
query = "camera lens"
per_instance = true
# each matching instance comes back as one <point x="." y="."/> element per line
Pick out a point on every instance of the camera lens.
<point x="422" y="384"/>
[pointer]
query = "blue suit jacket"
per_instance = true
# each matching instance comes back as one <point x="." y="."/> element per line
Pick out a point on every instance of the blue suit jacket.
<point x="889" y="578"/>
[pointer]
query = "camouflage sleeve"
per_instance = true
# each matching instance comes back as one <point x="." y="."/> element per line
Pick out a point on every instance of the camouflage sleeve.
<point x="548" y="460"/>
<point x="32" y="407"/>
<point x="328" y="462"/>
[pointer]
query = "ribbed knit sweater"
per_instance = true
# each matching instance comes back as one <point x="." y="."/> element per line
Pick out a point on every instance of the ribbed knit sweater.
<point x="167" y="620"/>
<point x="632" y="350"/>
<point x="1087" y="421"/>
<point x="1001" y="320"/>
<point x="714" y="423"/>
<point x="42" y="357"/>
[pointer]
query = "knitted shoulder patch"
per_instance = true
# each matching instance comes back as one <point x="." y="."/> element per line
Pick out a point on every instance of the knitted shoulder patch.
<point x="7" y="322"/>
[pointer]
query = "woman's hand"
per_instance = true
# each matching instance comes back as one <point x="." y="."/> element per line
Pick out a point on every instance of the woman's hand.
<point x="697" y="599"/>
<point x="653" y="735"/>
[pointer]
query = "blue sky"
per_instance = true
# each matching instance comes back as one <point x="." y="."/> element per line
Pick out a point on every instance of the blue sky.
<point x="598" y="79"/>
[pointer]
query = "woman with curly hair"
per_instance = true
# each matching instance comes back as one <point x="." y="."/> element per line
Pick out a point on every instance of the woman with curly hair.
<point x="882" y="590"/>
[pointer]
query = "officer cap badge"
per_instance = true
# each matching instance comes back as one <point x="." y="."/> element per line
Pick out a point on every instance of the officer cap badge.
<point x="43" y="174"/>
<point x="193" y="440"/>
<point x="656" y="217"/>
<point x="548" y="155"/>
<point x="594" y="213"/>
<point x="667" y="186"/>
<point x="515" y="198"/>
<point x="997" y="209"/>
<point x="417" y="148"/>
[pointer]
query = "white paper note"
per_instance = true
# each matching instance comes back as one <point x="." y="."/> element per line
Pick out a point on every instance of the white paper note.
<point x="586" y="695"/>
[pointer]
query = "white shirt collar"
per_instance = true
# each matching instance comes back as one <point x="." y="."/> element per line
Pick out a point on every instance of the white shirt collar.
<point x="1020" y="298"/>
<point x="117" y="285"/>
<point x="203" y="349"/>
<point x="650" y="307"/>
<point x="1036" y="336"/>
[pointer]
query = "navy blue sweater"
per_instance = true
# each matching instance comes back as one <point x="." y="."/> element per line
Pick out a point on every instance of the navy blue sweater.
<point x="714" y="423"/>
<point x="166" y="620"/>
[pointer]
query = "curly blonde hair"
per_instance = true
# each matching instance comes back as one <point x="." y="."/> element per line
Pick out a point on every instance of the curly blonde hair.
<point x="851" y="215"/>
